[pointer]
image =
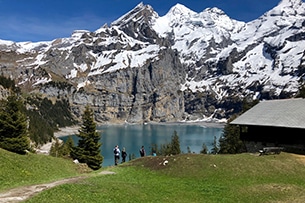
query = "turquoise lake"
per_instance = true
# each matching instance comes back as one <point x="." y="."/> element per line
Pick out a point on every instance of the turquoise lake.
<point x="132" y="137"/>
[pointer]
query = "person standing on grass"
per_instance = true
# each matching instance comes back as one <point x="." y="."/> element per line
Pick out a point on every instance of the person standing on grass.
<point x="142" y="151"/>
<point x="116" y="152"/>
<point x="124" y="155"/>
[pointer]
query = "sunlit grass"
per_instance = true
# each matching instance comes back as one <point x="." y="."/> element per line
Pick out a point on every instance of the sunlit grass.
<point x="18" y="170"/>
<point x="191" y="178"/>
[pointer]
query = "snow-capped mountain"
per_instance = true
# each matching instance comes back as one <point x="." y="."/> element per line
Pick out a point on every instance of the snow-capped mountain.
<point x="181" y="66"/>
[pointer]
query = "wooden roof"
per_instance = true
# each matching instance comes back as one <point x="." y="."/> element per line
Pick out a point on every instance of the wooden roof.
<point x="288" y="113"/>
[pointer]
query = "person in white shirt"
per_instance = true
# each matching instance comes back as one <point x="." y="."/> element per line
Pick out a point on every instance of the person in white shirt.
<point x="117" y="153"/>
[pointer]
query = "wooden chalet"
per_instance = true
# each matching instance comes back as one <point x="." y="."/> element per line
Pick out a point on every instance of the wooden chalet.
<point x="274" y="123"/>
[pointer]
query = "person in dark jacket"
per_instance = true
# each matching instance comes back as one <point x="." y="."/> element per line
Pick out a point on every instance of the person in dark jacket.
<point x="142" y="151"/>
<point x="124" y="155"/>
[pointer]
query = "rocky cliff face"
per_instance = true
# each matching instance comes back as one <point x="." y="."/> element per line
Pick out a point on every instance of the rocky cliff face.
<point x="181" y="66"/>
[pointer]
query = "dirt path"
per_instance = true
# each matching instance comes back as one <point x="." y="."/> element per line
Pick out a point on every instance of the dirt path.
<point x="22" y="193"/>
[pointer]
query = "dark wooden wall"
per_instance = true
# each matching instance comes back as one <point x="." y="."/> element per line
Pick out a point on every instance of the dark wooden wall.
<point x="292" y="139"/>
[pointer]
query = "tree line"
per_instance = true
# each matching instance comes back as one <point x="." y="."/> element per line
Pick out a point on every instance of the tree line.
<point x="20" y="128"/>
<point x="14" y="136"/>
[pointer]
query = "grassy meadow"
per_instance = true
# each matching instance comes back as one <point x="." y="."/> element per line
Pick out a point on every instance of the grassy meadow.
<point x="21" y="170"/>
<point x="186" y="178"/>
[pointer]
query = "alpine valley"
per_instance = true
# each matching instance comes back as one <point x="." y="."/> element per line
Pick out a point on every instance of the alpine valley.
<point x="183" y="66"/>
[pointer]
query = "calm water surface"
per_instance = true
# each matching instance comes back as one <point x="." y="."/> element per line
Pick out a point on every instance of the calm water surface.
<point x="132" y="137"/>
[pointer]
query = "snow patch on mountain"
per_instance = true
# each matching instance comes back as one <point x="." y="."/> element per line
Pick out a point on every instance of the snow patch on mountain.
<point x="268" y="51"/>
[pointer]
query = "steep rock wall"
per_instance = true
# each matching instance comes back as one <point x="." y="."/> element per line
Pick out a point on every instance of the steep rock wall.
<point x="148" y="93"/>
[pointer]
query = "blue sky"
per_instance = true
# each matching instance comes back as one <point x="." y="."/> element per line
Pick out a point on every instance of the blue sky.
<point x="45" y="20"/>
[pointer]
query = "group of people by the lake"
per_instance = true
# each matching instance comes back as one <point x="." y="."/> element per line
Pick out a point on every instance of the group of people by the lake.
<point x="117" y="152"/>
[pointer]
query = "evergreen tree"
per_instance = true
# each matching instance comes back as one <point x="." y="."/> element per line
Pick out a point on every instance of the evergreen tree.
<point x="46" y="117"/>
<point x="175" y="144"/>
<point x="165" y="149"/>
<point x="61" y="149"/>
<point x="188" y="149"/>
<point x="88" y="149"/>
<point x="69" y="144"/>
<point x="132" y="156"/>
<point x="154" y="149"/>
<point x="170" y="148"/>
<point x="9" y="84"/>
<point x="14" y="135"/>
<point x="215" y="148"/>
<point x="246" y="105"/>
<point x="230" y="142"/>
<point x="204" y="149"/>
<point x="56" y="149"/>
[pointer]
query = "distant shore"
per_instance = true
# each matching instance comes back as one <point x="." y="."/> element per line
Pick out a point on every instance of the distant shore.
<point x="201" y="123"/>
<point x="72" y="130"/>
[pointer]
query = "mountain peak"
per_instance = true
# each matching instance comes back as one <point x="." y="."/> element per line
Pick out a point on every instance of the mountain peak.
<point x="180" y="9"/>
<point x="288" y="8"/>
<point x="140" y="6"/>
<point x="291" y="2"/>
<point x="202" y="65"/>
<point x="214" y="10"/>
<point x="139" y="11"/>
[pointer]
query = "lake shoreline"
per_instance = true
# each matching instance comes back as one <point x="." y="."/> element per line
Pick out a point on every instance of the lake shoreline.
<point x="72" y="130"/>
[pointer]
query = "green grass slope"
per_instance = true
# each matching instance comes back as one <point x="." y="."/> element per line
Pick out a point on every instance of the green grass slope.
<point x="192" y="178"/>
<point x="21" y="170"/>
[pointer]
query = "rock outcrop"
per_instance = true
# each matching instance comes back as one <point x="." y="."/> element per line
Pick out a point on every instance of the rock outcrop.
<point x="181" y="66"/>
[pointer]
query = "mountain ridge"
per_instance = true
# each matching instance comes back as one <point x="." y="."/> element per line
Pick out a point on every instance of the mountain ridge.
<point x="180" y="66"/>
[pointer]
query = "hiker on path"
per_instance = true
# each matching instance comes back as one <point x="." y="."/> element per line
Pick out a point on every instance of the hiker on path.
<point x="142" y="151"/>
<point x="124" y="155"/>
<point x="116" y="152"/>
